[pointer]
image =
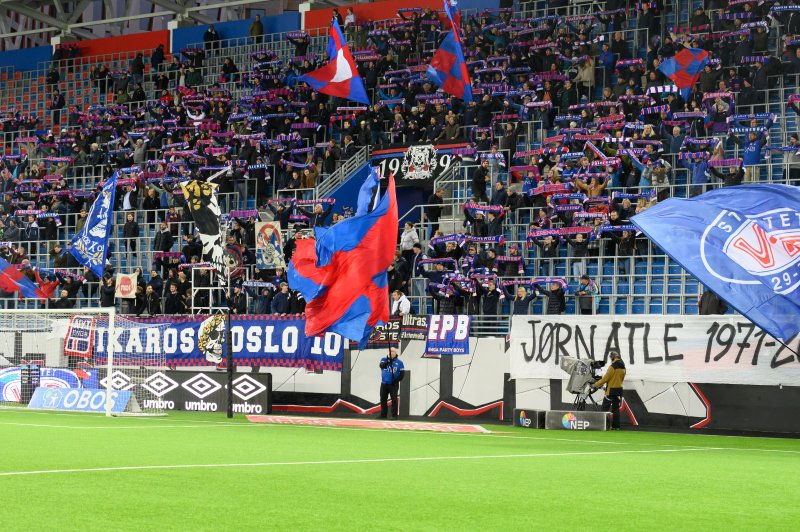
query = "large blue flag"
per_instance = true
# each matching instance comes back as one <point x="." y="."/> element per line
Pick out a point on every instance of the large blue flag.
<point x="90" y="246"/>
<point x="743" y="243"/>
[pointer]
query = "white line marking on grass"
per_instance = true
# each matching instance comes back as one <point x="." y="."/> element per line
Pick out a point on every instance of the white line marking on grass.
<point x="337" y="462"/>
<point x="196" y="423"/>
<point x="134" y="427"/>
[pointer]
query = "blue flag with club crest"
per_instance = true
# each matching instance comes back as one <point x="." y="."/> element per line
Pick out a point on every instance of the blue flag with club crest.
<point x="90" y="246"/>
<point x="741" y="242"/>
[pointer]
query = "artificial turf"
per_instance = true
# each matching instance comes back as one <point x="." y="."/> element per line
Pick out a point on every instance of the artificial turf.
<point x="288" y="477"/>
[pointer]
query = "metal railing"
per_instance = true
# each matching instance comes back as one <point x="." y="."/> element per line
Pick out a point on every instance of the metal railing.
<point x="341" y="174"/>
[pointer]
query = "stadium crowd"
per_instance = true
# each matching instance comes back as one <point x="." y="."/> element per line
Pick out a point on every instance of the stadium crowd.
<point x="609" y="119"/>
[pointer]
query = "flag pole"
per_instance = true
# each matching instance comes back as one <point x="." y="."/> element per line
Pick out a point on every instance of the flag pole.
<point x="229" y="347"/>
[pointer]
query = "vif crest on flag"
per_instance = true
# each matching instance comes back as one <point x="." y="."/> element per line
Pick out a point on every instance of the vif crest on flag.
<point x="743" y="243"/>
<point x="766" y="245"/>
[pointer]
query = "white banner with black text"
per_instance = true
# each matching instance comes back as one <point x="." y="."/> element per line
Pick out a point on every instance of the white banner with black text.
<point x="697" y="349"/>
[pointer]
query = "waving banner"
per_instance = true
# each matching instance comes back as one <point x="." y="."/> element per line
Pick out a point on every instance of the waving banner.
<point x="705" y="349"/>
<point x="90" y="246"/>
<point x="269" y="246"/>
<point x="201" y="199"/>
<point x="744" y="244"/>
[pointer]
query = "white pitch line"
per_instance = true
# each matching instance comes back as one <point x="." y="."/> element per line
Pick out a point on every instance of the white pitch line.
<point x="338" y="462"/>
<point x="398" y="431"/>
<point x="134" y="427"/>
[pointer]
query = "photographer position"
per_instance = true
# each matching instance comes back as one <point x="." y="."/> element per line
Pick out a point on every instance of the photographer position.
<point x="391" y="375"/>
<point x="613" y="379"/>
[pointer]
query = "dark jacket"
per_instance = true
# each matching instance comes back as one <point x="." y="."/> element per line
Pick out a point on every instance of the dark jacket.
<point x="163" y="241"/>
<point x="174" y="304"/>
<point x="556" y="302"/>
<point x="107" y="295"/>
<point x="280" y="303"/>
<point x="490" y="301"/>
<point x="710" y="303"/>
<point x="447" y="304"/>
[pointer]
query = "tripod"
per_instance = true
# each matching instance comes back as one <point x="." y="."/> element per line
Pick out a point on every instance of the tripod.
<point x="580" y="401"/>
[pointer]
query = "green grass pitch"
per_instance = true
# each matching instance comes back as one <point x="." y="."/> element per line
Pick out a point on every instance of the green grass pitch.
<point x="64" y="471"/>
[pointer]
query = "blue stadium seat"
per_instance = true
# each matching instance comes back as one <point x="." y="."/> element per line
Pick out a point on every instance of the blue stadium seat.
<point x="591" y="270"/>
<point x="655" y="307"/>
<point x="673" y="305"/>
<point x="675" y="268"/>
<point x="690" y="308"/>
<point x="638" y="306"/>
<point x="621" y="306"/>
<point x="623" y="288"/>
<point x="674" y="287"/>
<point x="640" y="287"/>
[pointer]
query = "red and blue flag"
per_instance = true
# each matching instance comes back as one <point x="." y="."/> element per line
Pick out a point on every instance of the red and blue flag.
<point x="342" y="274"/>
<point x="339" y="77"/>
<point x="448" y="68"/>
<point x="13" y="279"/>
<point x="684" y="68"/>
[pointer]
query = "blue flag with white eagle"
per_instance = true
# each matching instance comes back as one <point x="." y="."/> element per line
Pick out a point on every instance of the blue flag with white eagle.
<point x="743" y="243"/>
<point x="90" y="245"/>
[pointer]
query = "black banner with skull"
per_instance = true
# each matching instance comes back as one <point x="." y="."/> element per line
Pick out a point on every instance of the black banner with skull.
<point x="417" y="165"/>
<point x="202" y="201"/>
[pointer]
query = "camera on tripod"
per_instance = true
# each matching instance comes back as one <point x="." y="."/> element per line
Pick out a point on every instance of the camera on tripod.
<point x="582" y="375"/>
<point x="595" y="366"/>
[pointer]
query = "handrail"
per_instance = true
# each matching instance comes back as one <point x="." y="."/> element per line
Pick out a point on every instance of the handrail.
<point x="342" y="173"/>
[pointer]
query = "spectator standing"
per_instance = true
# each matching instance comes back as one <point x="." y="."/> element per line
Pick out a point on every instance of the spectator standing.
<point x="107" y="291"/>
<point x="152" y="301"/>
<point x="211" y="39"/>
<point x="434" y="211"/>
<point x="520" y="300"/>
<point x="556" y="302"/>
<point x="408" y="238"/>
<point x="130" y="233"/>
<point x="238" y="300"/>
<point x="174" y="303"/>
<point x="587" y="293"/>
<point x="710" y="304"/>
<point x="480" y="178"/>
<point x="257" y="30"/>
<point x="137" y="69"/>
<point x="156" y="60"/>
<point x="280" y="302"/>
<point x="400" y="304"/>
<point x="491" y="298"/>
<point x="163" y="240"/>
<point x="57" y="103"/>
